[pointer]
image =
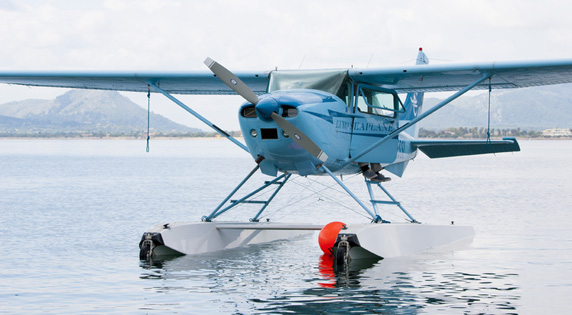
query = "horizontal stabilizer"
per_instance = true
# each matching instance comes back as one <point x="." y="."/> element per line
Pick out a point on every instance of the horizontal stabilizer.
<point x="446" y="148"/>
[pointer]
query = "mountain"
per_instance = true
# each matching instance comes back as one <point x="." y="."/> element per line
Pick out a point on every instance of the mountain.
<point x="94" y="112"/>
<point x="533" y="108"/>
<point x="83" y="112"/>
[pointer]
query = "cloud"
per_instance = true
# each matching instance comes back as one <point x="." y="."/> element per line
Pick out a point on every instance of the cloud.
<point x="180" y="34"/>
<point x="7" y="5"/>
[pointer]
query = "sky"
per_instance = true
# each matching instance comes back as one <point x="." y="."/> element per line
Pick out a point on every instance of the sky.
<point x="177" y="35"/>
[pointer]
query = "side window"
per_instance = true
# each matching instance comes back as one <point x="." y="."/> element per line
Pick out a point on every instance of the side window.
<point x="377" y="102"/>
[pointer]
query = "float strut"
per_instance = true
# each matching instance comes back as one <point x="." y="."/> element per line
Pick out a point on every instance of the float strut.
<point x="214" y="213"/>
<point x="375" y="217"/>
<point x="267" y="202"/>
<point x="393" y="201"/>
<point x="218" y="211"/>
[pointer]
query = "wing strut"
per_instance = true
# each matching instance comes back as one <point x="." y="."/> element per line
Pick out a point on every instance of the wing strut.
<point x="399" y="130"/>
<point x="148" y="115"/>
<point x="201" y="118"/>
<point x="489" y="114"/>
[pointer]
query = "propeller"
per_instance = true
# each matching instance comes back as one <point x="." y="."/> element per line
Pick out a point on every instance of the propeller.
<point x="232" y="81"/>
<point x="266" y="108"/>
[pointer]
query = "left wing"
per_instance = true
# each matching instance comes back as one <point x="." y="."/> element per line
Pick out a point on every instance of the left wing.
<point x="453" y="77"/>
<point x="196" y="83"/>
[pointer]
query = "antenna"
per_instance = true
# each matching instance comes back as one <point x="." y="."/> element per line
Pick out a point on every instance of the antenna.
<point x="301" y="62"/>
<point x="369" y="61"/>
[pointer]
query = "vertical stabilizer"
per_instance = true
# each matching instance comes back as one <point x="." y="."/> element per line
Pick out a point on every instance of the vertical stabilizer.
<point x="414" y="101"/>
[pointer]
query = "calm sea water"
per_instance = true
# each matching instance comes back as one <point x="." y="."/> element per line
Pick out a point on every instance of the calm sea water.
<point x="73" y="211"/>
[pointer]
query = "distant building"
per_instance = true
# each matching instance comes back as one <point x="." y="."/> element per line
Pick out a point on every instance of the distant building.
<point x="558" y="132"/>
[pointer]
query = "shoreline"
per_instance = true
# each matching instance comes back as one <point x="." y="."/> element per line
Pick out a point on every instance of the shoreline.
<point x="112" y="138"/>
<point x="239" y="138"/>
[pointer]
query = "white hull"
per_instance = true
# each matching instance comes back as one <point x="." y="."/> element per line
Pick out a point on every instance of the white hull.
<point x="375" y="240"/>
<point x="393" y="240"/>
<point x="203" y="237"/>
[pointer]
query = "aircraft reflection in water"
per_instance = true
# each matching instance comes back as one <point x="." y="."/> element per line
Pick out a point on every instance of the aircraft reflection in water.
<point x="275" y="278"/>
<point x="336" y="275"/>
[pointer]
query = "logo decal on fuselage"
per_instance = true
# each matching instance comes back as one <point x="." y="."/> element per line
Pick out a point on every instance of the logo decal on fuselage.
<point x="346" y="124"/>
<point x="384" y="126"/>
<point x="414" y="104"/>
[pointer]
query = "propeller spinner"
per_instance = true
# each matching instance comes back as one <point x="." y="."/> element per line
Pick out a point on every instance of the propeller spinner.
<point x="266" y="109"/>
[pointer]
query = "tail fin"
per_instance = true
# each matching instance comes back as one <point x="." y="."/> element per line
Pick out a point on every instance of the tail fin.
<point x="414" y="101"/>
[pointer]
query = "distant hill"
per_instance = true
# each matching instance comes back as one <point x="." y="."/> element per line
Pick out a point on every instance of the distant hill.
<point x="101" y="113"/>
<point x="83" y="112"/>
<point x="533" y="108"/>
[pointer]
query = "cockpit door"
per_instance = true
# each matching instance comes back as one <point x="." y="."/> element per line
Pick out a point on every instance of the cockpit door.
<point x="376" y="114"/>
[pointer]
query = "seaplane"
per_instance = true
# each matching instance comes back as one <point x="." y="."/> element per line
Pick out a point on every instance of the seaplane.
<point x="331" y="123"/>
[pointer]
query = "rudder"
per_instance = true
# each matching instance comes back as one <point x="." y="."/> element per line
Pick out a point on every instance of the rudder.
<point x="414" y="101"/>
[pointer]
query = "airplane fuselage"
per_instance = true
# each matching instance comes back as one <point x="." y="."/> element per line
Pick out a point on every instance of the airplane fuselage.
<point x="338" y="128"/>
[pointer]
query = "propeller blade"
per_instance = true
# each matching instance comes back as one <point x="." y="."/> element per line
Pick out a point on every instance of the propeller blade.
<point x="300" y="138"/>
<point x="232" y="81"/>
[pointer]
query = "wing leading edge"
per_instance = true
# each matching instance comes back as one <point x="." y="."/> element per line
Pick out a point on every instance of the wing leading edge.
<point x="425" y="78"/>
<point x="453" y="77"/>
<point x="193" y="83"/>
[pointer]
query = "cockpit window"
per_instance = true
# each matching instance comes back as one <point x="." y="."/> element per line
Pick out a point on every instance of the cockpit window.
<point x="335" y="82"/>
<point x="376" y="101"/>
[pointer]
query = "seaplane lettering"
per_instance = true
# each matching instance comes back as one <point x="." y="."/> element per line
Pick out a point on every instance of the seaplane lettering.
<point x="343" y="125"/>
<point x="384" y="126"/>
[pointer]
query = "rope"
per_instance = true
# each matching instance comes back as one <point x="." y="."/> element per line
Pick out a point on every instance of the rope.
<point x="314" y="193"/>
<point x="298" y="198"/>
<point x="148" y="114"/>
<point x="311" y="187"/>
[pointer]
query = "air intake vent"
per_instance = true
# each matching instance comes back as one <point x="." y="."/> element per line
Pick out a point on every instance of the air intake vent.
<point x="248" y="112"/>
<point x="268" y="133"/>
<point x="289" y="111"/>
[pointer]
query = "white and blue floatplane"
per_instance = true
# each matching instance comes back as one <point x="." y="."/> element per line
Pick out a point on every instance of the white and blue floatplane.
<point x="322" y="123"/>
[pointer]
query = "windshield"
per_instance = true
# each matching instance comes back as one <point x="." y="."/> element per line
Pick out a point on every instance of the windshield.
<point x="331" y="81"/>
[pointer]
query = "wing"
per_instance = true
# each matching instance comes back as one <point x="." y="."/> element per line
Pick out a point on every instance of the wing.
<point x="436" y="78"/>
<point x="420" y="78"/>
<point x="196" y="83"/>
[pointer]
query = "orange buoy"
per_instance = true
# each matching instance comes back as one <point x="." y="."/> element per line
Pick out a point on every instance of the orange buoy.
<point x="328" y="236"/>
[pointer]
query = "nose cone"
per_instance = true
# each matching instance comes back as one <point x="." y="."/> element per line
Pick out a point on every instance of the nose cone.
<point x="266" y="107"/>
